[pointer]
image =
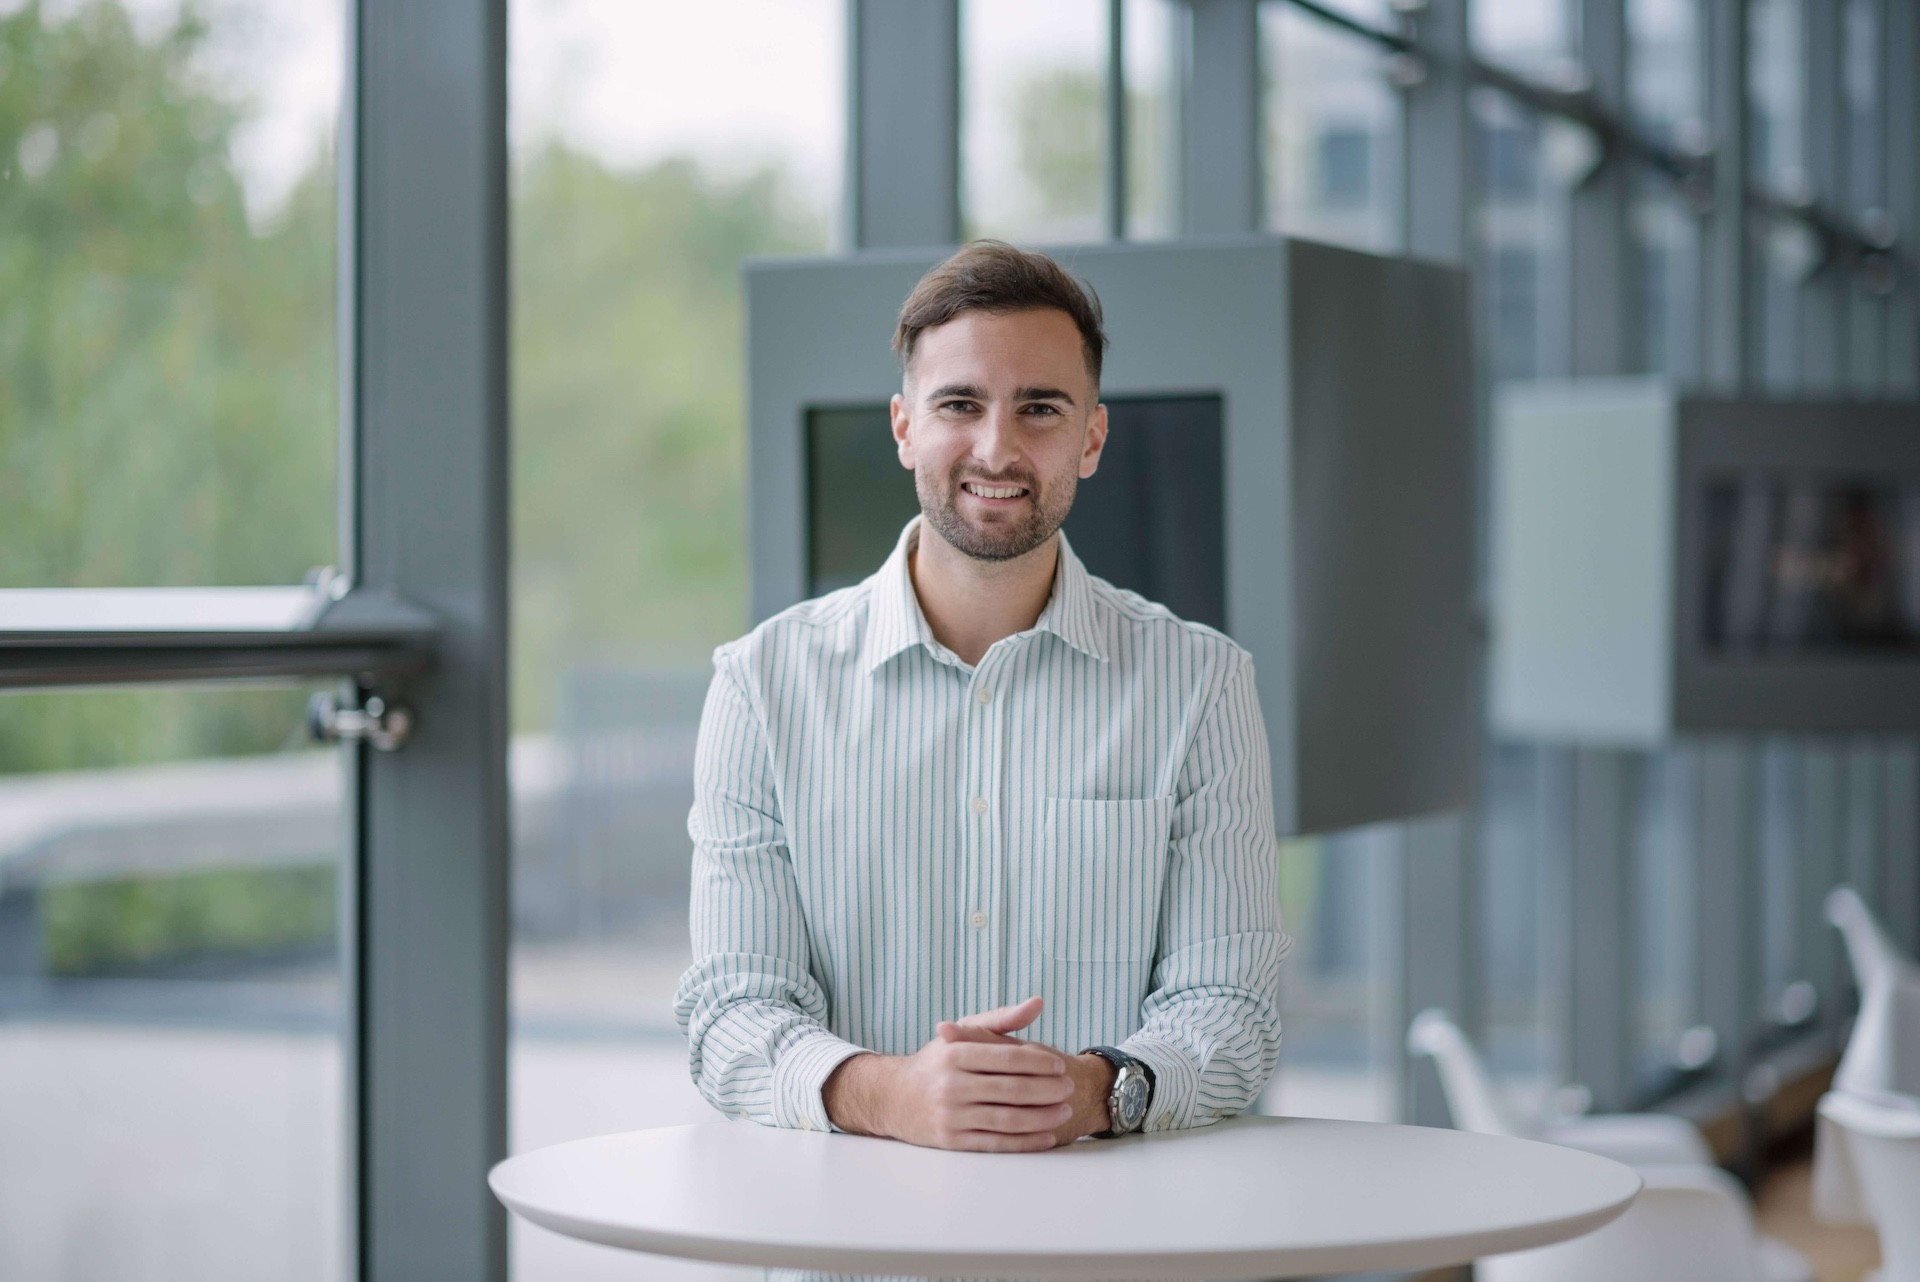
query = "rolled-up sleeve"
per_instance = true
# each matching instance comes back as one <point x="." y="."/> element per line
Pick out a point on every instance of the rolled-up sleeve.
<point x="750" y="1005"/>
<point x="1210" y="1027"/>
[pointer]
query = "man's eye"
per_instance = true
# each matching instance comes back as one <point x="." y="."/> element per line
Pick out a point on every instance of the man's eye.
<point x="959" y="407"/>
<point x="1044" y="409"/>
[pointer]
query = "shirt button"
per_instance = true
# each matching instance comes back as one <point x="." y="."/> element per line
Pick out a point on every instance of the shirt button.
<point x="984" y="695"/>
<point x="979" y="920"/>
<point x="979" y="805"/>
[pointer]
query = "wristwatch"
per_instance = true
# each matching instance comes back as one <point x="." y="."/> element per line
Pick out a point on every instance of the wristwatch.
<point x="1131" y="1095"/>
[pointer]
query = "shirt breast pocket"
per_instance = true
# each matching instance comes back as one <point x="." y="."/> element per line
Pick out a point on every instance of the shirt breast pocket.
<point x="1103" y="864"/>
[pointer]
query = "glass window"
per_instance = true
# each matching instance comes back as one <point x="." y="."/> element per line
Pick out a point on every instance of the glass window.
<point x="1340" y="900"/>
<point x="1783" y="838"/>
<point x="1332" y="133"/>
<point x="1665" y="916"/>
<point x="1526" y="853"/>
<point x="1033" y="111"/>
<point x="170" y="999"/>
<point x="167" y="355"/>
<point x="1154" y="31"/>
<point x="1664" y="91"/>
<point x="655" y="145"/>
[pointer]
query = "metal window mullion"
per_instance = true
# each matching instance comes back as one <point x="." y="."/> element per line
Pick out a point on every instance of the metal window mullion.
<point x="1436" y="899"/>
<point x="1819" y="870"/>
<point x="430" y="303"/>
<point x="1900" y="86"/>
<point x="1605" y="277"/>
<point x="1605" y="806"/>
<point x="1221" y="120"/>
<point x="1727" y="258"/>
<point x="1727" y="901"/>
<point x="903" y="123"/>
<point x="1866" y="348"/>
<point x="1900" y="842"/>
<point x="1823" y="296"/>
<point x="1115" y="204"/>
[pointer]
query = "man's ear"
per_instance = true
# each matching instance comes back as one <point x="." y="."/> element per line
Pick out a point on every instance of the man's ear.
<point x="1095" y="442"/>
<point x="902" y="429"/>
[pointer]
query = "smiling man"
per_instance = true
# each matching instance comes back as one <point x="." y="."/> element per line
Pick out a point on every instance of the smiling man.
<point x="983" y="846"/>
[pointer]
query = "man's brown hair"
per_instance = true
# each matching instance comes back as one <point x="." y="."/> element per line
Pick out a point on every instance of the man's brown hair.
<point x="993" y="276"/>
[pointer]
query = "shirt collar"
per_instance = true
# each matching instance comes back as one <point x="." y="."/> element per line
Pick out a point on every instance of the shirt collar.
<point x="895" y="621"/>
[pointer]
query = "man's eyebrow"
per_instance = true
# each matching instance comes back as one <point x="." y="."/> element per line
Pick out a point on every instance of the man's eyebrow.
<point x="966" y="390"/>
<point x="1042" y="394"/>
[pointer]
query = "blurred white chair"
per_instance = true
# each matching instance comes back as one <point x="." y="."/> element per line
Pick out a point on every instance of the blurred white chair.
<point x="1638" y="1139"/>
<point x="1688" y="1199"/>
<point x="1882" y="1136"/>
<point x="1883" y="1051"/>
<point x="1689" y="1224"/>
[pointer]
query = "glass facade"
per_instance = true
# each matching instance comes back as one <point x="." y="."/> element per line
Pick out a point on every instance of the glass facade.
<point x="1033" y="135"/>
<point x="171" y="375"/>
<point x="168" y="396"/>
<point x="1332" y="134"/>
<point x="644" y="172"/>
<point x="170" y="995"/>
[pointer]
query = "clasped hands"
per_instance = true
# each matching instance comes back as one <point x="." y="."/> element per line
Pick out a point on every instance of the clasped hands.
<point x="974" y="1086"/>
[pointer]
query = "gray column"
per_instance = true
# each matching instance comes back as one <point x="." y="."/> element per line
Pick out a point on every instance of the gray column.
<point x="1824" y="298"/>
<point x="1439" y="170"/>
<point x="429" y="289"/>
<point x="1900" y="82"/>
<point x="1220" y="121"/>
<point x="1728" y="296"/>
<point x="1605" y="270"/>
<point x="903" y="123"/>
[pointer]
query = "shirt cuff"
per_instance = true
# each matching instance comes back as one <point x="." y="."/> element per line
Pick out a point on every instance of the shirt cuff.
<point x="800" y="1076"/>
<point x="1176" y="1084"/>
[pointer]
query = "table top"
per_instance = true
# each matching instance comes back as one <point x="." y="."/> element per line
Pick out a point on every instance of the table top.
<point x="1252" y="1196"/>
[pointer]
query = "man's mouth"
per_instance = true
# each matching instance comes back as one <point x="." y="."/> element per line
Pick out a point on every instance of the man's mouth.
<point x="981" y="490"/>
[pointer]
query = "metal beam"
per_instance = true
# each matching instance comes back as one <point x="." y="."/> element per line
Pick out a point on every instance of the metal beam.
<point x="1824" y="309"/>
<point x="1220" y="122"/>
<point x="903" y="123"/>
<point x="1727" y="257"/>
<point x="427" y="964"/>
<point x="1605" y="271"/>
<point x="1900" y="83"/>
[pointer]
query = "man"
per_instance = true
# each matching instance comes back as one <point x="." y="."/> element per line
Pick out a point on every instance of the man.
<point x="983" y="793"/>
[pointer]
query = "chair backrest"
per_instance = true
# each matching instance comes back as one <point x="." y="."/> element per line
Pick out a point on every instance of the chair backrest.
<point x="1883" y="1051"/>
<point x="1474" y="1101"/>
<point x="1690" y="1224"/>
<point x="1882" y="1135"/>
<point x="1874" y="956"/>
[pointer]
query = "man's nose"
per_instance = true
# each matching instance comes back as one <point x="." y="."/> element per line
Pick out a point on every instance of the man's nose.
<point x="997" y="445"/>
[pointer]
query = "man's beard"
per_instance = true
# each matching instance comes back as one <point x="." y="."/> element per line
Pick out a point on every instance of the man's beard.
<point x="1000" y="540"/>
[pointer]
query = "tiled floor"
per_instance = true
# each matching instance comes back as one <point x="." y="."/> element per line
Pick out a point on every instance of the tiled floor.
<point x="1837" y="1254"/>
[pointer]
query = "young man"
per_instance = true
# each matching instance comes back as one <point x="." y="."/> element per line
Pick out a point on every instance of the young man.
<point x="983" y="793"/>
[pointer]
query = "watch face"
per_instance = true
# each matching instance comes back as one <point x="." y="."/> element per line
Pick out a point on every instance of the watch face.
<point x="1130" y="1102"/>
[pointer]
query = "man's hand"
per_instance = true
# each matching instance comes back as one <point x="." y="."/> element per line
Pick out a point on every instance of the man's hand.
<point x="972" y="1087"/>
<point x="1092" y="1075"/>
<point x="975" y="1086"/>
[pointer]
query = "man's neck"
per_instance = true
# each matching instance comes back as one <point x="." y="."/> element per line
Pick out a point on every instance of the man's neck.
<point x="969" y="603"/>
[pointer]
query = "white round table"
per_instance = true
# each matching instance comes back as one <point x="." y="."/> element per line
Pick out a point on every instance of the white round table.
<point x="1253" y="1196"/>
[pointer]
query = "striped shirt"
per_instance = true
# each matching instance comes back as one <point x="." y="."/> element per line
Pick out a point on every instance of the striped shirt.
<point x="885" y="837"/>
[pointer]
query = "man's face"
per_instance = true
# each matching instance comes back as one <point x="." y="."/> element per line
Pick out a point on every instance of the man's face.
<point x="999" y="420"/>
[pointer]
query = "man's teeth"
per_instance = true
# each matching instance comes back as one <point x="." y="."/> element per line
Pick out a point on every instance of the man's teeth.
<point x="994" y="491"/>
